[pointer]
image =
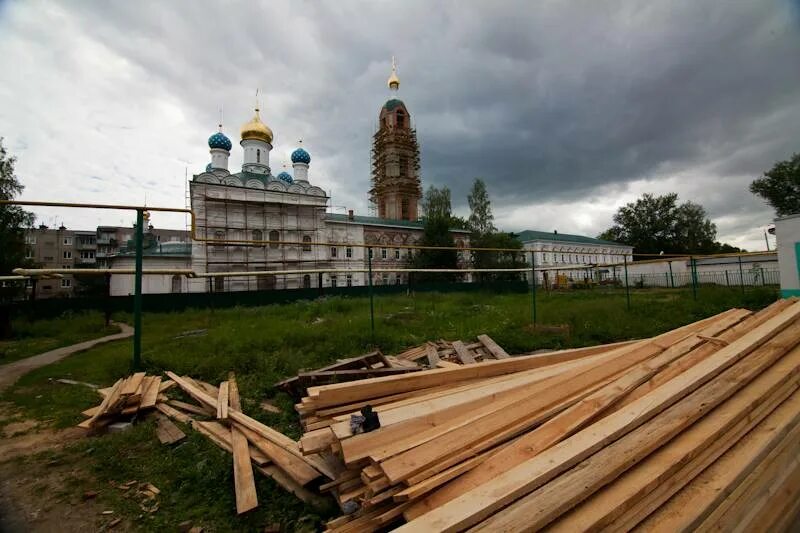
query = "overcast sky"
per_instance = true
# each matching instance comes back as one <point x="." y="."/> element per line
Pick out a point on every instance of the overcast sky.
<point x="566" y="109"/>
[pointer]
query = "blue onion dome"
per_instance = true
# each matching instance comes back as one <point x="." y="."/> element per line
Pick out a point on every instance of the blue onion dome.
<point x="301" y="156"/>
<point x="219" y="140"/>
<point x="209" y="168"/>
<point x="285" y="176"/>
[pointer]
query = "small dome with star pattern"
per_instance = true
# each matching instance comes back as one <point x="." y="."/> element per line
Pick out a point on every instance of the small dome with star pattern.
<point x="285" y="176"/>
<point x="301" y="156"/>
<point x="219" y="140"/>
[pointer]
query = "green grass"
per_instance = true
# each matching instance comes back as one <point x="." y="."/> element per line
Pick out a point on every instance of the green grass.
<point x="32" y="338"/>
<point x="266" y="344"/>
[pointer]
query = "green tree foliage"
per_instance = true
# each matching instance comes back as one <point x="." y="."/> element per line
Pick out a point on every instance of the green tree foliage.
<point x="485" y="235"/>
<point x="780" y="186"/>
<point x="655" y="224"/>
<point x="438" y="222"/>
<point x="13" y="221"/>
<point x="480" y="217"/>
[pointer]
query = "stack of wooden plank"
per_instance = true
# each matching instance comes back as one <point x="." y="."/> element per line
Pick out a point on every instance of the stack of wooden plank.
<point x="373" y="364"/>
<point x="125" y="398"/>
<point x="444" y="354"/>
<point x="675" y="431"/>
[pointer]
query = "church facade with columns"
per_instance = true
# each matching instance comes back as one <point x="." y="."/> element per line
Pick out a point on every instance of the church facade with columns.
<point x="243" y="218"/>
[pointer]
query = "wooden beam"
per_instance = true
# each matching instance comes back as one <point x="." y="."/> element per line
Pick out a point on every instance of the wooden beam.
<point x="110" y="399"/>
<point x="244" y="483"/>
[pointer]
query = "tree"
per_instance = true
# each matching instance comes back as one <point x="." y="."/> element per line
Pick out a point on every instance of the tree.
<point x="13" y="221"/>
<point x="436" y="232"/>
<point x="480" y="217"/>
<point x="780" y="186"/>
<point x="487" y="259"/>
<point x="655" y="224"/>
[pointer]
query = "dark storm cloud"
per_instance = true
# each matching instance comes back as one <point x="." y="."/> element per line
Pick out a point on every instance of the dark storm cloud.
<point x="549" y="102"/>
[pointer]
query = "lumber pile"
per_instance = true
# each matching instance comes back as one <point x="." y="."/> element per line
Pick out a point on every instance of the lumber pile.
<point x="697" y="427"/>
<point x="371" y="365"/>
<point x="126" y="398"/>
<point x="433" y="353"/>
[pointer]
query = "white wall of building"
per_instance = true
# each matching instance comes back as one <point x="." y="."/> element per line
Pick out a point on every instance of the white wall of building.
<point x="123" y="284"/>
<point x="787" y="232"/>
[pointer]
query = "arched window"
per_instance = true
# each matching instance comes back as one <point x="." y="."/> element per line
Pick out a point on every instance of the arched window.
<point x="306" y="239"/>
<point x="258" y="155"/>
<point x="306" y="281"/>
<point x="275" y="236"/>
<point x="401" y="119"/>
<point x="258" y="235"/>
<point x="176" y="283"/>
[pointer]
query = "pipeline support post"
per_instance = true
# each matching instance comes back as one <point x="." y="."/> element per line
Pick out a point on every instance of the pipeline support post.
<point x="741" y="274"/>
<point x="137" y="294"/>
<point x="627" y="287"/>
<point x="371" y="296"/>
<point x="533" y="287"/>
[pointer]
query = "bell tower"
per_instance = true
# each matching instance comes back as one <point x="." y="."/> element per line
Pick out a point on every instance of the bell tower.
<point x="396" y="186"/>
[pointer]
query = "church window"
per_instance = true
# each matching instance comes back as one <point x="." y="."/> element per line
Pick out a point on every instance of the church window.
<point x="401" y="119"/>
<point x="397" y="279"/>
<point x="397" y="253"/>
<point x="333" y="281"/>
<point x="257" y="235"/>
<point x="306" y="239"/>
<point x="275" y="236"/>
<point x="258" y="155"/>
<point x="348" y="252"/>
<point x="67" y="255"/>
<point x="176" y="283"/>
<point x="334" y="252"/>
<point x="385" y="279"/>
<point x="370" y="253"/>
<point x="306" y="281"/>
<point x="404" y="214"/>
<point x="349" y="280"/>
<point x="384" y="253"/>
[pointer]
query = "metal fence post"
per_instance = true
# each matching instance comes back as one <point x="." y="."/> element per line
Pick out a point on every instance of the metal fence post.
<point x="741" y="274"/>
<point x="137" y="294"/>
<point x="763" y="279"/>
<point x="727" y="279"/>
<point x="693" y="265"/>
<point x="671" y="277"/>
<point x="533" y="286"/>
<point x="627" y="287"/>
<point x="371" y="297"/>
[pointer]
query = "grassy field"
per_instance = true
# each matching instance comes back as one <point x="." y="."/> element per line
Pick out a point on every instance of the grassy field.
<point x="31" y="338"/>
<point x="263" y="345"/>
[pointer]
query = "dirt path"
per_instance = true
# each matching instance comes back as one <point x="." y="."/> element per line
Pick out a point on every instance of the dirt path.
<point x="11" y="372"/>
<point x="32" y="493"/>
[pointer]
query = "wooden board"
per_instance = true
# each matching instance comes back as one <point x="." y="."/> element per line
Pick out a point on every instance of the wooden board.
<point x="462" y="353"/>
<point x="493" y="347"/>
<point x="166" y="431"/>
<point x="111" y="398"/>
<point x="132" y="385"/>
<point x="222" y="401"/>
<point x="191" y="408"/>
<point x="151" y="390"/>
<point x="245" y="485"/>
<point x="433" y="355"/>
<point x="174" y="413"/>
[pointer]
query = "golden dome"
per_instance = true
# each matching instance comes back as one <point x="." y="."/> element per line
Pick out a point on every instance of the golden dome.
<point x="394" y="81"/>
<point x="257" y="130"/>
